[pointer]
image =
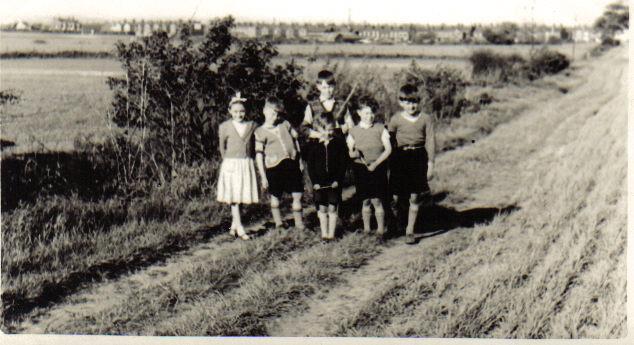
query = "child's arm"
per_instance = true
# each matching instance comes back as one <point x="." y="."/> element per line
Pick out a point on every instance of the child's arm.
<point x="351" y="150"/>
<point x="295" y="137"/>
<point x="306" y="127"/>
<point x="222" y="141"/>
<point x="259" y="158"/>
<point x="430" y="146"/>
<point x="387" y="150"/>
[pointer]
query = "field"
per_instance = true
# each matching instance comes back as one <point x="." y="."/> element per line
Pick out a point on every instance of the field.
<point x="525" y="237"/>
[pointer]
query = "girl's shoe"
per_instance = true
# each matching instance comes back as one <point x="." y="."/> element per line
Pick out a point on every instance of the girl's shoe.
<point x="241" y="234"/>
<point x="410" y="239"/>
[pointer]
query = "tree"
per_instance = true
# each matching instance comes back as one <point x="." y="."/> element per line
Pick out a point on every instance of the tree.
<point x="505" y="33"/>
<point x="615" y="18"/>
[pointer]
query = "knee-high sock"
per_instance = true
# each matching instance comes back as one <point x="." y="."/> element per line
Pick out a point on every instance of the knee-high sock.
<point x="411" y="219"/>
<point x="298" y="216"/>
<point x="332" y="224"/>
<point x="277" y="215"/>
<point x="366" y="214"/>
<point x="380" y="220"/>
<point x="323" y="223"/>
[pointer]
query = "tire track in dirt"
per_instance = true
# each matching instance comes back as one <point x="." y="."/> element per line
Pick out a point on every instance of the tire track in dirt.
<point x="102" y="296"/>
<point x="328" y="308"/>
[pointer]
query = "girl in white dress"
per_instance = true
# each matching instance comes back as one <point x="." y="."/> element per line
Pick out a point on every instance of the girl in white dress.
<point x="237" y="178"/>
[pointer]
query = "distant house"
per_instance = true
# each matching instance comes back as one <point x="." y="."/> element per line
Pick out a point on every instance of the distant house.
<point x="449" y="35"/>
<point x="245" y="31"/>
<point x="385" y="35"/>
<point x="22" y="26"/>
<point x="60" y="24"/>
<point x="585" y="35"/>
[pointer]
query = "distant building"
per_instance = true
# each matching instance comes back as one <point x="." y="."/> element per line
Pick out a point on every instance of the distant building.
<point x="385" y="35"/>
<point x="60" y="24"/>
<point x="22" y="26"/>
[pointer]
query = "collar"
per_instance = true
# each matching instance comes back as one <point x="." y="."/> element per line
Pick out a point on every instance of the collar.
<point x="364" y="125"/>
<point x="410" y="117"/>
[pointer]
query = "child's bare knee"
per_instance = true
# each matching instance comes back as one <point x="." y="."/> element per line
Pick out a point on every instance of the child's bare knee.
<point x="332" y="208"/>
<point x="377" y="203"/>
<point x="366" y="203"/>
<point x="414" y="200"/>
<point x="323" y="208"/>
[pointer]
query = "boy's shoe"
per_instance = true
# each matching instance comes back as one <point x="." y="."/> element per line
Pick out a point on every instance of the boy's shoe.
<point x="380" y="238"/>
<point x="410" y="239"/>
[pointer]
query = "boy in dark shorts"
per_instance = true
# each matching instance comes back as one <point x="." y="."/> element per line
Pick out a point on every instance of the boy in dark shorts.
<point x="412" y="162"/>
<point x="369" y="146"/>
<point x="278" y="161"/>
<point x="326" y="162"/>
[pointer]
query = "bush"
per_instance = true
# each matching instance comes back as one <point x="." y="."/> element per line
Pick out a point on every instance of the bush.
<point x="175" y="94"/>
<point x="488" y="66"/>
<point x="442" y="87"/>
<point x="544" y="61"/>
<point x="505" y="33"/>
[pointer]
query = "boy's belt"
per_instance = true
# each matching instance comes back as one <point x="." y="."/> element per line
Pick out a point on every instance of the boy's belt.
<point x="411" y="147"/>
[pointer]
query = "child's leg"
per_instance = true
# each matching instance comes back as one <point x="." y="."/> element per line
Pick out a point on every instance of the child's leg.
<point x="412" y="214"/>
<point x="235" y="214"/>
<point x="275" y="211"/>
<point x="322" y="214"/>
<point x="379" y="213"/>
<point x="366" y="214"/>
<point x="297" y="210"/>
<point x="332" y="220"/>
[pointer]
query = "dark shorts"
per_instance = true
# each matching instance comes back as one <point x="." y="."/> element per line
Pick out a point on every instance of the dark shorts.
<point x="285" y="178"/>
<point x="327" y="196"/>
<point x="370" y="184"/>
<point x="408" y="172"/>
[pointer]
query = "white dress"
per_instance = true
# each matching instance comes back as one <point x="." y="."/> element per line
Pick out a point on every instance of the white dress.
<point x="237" y="183"/>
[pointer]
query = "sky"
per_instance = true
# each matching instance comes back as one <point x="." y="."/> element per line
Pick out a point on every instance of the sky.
<point x="566" y="12"/>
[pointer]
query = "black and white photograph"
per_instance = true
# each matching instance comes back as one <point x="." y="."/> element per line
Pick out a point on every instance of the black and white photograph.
<point x="323" y="170"/>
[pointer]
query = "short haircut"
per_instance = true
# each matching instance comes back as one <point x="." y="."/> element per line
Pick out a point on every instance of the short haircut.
<point x="326" y="76"/>
<point x="275" y="102"/>
<point x="408" y="93"/>
<point x="367" y="101"/>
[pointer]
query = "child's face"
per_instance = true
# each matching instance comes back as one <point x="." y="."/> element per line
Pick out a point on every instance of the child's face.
<point x="237" y="111"/>
<point x="270" y="113"/>
<point x="366" y="114"/>
<point x="326" y="90"/>
<point x="410" y="107"/>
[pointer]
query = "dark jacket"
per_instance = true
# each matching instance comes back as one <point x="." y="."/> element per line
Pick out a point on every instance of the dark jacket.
<point x="327" y="164"/>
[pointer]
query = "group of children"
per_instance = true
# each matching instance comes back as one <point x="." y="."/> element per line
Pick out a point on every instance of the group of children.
<point x="396" y="160"/>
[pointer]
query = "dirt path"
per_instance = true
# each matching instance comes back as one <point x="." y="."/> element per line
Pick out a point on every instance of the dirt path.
<point x="511" y="155"/>
<point x="493" y="188"/>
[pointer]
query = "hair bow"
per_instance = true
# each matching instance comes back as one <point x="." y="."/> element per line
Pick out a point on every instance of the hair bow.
<point x="237" y="99"/>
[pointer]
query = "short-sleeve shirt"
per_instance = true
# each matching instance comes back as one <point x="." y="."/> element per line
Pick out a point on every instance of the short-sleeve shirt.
<point x="276" y="143"/>
<point x="368" y="141"/>
<point x="408" y="132"/>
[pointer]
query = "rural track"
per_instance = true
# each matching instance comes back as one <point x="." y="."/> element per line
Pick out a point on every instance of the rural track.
<point x="498" y="175"/>
<point x="502" y="172"/>
<point x="91" y="299"/>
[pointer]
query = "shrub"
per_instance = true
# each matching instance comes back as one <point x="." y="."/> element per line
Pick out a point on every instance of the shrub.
<point x="9" y="96"/>
<point x="489" y="66"/>
<point x="442" y="87"/>
<point x="544" y="61"/>
<point x="505" y="33"/>
<point x="175" y="94"/>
